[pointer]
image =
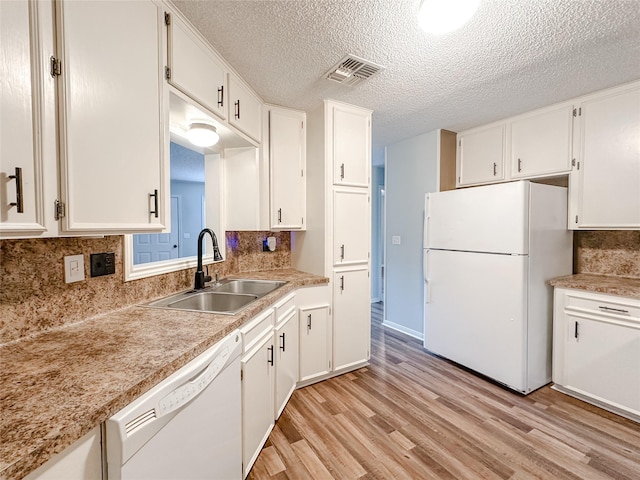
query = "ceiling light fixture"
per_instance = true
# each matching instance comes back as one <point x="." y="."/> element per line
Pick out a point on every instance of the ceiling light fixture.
<point x="202" y="134"/>
<point x="443" y="16"/>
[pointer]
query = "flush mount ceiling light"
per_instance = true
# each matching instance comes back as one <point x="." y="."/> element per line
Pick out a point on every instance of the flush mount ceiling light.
<point x="443" y="16"/>
<point x="202" y="134"/>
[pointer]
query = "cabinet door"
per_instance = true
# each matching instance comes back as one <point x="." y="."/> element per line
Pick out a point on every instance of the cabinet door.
<point x="315" y="342"/>
<point x="351" y="146"/>
<point x="287" y="153"/>
<point x="481" y="155"/>
<point x="21" y="202"/>
<point x="351" y="317"/>
<point x="257" y="399"/>
<point x="286" y="360"/>
<point x="351" y="231"/>
<point x="602" y="360"/>
<point x="245" y="109"/>
<point x="112" y="116"/>
<point x="541" y="143"/>
<point x="609" y="156"/>
<point x="194" y="67"/>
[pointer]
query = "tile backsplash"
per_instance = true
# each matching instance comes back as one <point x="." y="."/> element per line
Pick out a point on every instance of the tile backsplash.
<point x="34" y="296"/>
<point x="607" y="253"/>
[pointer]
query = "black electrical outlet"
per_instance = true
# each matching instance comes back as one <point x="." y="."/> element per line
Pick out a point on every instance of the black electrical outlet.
<point x="103" y="264"/>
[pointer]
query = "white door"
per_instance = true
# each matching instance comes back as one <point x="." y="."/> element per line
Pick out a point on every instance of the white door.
<point x="602" y="360"/>
<point x="112" y="143"/>
<point x="156" y="247"/>
<point x="257" y="399"/>
<point x="351" y="317"/>
<point x="541" y="143"/>
<point x="490" y="218"/>
<point x="286" y="360"/>
<point x="21" y="208"/>
<point x="476" y="319"/>
<point x="351" y="146"/>
<point x="351" y="226"/>
<point x="195" y="68"/>
<point x="481" y="155"/>
<point x="610" y="161"/>
<point x="315" y="342"/>
<point x="287" y="146"/>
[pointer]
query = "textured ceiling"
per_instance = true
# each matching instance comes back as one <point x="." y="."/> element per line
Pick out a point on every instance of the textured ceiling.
<point x="513" y="56"/>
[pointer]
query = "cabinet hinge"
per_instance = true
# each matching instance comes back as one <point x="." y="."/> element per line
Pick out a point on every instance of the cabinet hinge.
<point x="458" y="179"/>
<point x="167" y="18"/>
<point x="56" y="66"/>
<point x="302" y="220"/>
<point x="59" y="210"/>
<point x="459" y="143"/>
<point x="302" y="173"/>
<point x="329" y="311"/>
<point x="301" y="124"/>
<point x="573" y="162"/>
<point x="577" y="112"/>
<point x="329" y="364"/>
<point x="167" y="73"/>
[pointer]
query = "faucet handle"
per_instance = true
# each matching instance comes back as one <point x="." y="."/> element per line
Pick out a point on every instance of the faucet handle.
<point x="207" y="277"/>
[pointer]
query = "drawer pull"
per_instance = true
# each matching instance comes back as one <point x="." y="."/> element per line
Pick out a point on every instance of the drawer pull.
<point x="617" y="310"/>
<point x="575" y="330"/>
<point x="270" y="359"/>
<point x="282" y="346"/>
<point x="19" y="197"/>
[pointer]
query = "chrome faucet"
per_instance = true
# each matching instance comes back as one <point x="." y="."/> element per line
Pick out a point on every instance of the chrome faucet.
<point x="201" y="278"/>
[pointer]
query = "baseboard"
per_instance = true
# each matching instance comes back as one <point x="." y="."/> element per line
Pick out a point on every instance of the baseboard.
<point x="335" y="373"/>
<point x="403" y="329"/>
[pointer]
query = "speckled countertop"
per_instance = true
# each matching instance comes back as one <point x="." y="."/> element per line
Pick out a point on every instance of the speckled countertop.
<point x="609" y="284"/>
<point x="57" y="386"/>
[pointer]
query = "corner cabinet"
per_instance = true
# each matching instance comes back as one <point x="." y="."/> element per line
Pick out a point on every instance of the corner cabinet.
<point x="596" y="349"/>
<point x="286" y="146"/>
<point x="605" y="183"/>
<point x="114" y="175"/>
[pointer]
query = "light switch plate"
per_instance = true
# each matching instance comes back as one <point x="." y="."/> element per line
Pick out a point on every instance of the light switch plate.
<point x="395" y="240"/>
<point x="73" y="268"/>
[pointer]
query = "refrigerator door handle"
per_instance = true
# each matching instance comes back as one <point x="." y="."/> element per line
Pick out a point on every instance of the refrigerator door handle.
<point x="425" y="268"/>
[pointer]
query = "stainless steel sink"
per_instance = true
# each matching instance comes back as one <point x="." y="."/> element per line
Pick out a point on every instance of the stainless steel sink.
<point x="227" y="297"/>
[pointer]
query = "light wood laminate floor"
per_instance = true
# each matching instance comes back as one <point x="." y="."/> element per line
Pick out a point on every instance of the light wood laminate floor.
<point x="410" y="415"/>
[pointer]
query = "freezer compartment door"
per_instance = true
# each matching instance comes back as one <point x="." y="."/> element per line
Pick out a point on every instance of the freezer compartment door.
<point x="475" y="313"/>
<point x="490" y="218"/>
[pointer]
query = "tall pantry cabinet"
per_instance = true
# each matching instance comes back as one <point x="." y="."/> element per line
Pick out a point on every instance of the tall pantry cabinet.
<point x="337" y="240"/>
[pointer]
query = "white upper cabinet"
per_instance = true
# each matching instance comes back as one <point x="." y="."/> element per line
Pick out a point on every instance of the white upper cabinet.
<point x="245" y="109"/>
<point x="481" y="155"/>
<point x="605" y="185"/>
<point x="21" y="65"/>
<point x="541" y="142"/>
<point x="287" y="165"/>
<point x="351" y="145"/>
<point x="112" y="116"/>
<point x="194" y="68"/>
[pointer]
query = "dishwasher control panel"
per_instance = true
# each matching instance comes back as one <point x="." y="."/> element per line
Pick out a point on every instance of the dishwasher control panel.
<point x="189" y="390"/>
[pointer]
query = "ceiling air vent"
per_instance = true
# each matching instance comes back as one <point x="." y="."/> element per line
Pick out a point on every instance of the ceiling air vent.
<point x="351" y="70"/>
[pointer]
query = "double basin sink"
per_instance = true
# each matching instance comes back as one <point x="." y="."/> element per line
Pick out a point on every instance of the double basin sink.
<point x="227" y="297"/>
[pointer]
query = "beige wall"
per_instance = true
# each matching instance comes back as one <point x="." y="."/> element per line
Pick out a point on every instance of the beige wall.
<point x="34" y="297"/>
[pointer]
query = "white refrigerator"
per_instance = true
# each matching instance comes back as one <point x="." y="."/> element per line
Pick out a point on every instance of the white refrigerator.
<point x="489" y="252"/>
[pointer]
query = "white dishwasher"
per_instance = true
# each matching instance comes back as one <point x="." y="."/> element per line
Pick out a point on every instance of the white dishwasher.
<point x="186" y="427"/>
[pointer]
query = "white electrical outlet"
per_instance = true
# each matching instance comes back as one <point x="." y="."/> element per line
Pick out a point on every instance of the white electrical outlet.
<point x="395" y="240"/>
<point x="73" y="268"/>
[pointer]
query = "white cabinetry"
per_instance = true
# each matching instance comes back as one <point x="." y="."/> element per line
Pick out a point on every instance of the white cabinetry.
<point x="481" y="155"/>
<point x="315" y="333"/>
<point x="286" y="353"/>
<point x="350" y="142"/>
<point x="112" y="116"/>
<point x="80" y="461"/>
<point x="337" y="241"/>
<point x="258" y="374"/>
<point x="287" y="165"/>
<point x="194" y="68"/>
<point x="541" y="142"/>
<point x="605" y="186"/>
<point x="351" y="317"/>
<point x="596" y="349"/>
<point x="245" y="109"/>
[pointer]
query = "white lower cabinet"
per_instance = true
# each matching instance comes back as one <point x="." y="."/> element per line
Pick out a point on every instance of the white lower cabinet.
<point x="315" y="342"/>
<point x="286" y="353"/>
<point x="80" y="461"/>
<point x="596" y="351"/>
<point x="351" y="317"/>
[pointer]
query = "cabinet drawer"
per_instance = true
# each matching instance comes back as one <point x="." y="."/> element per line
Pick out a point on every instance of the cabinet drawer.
<point x="604" y="304"/>
<point x="285" y="306"/>
<point x="255" y="329"/>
